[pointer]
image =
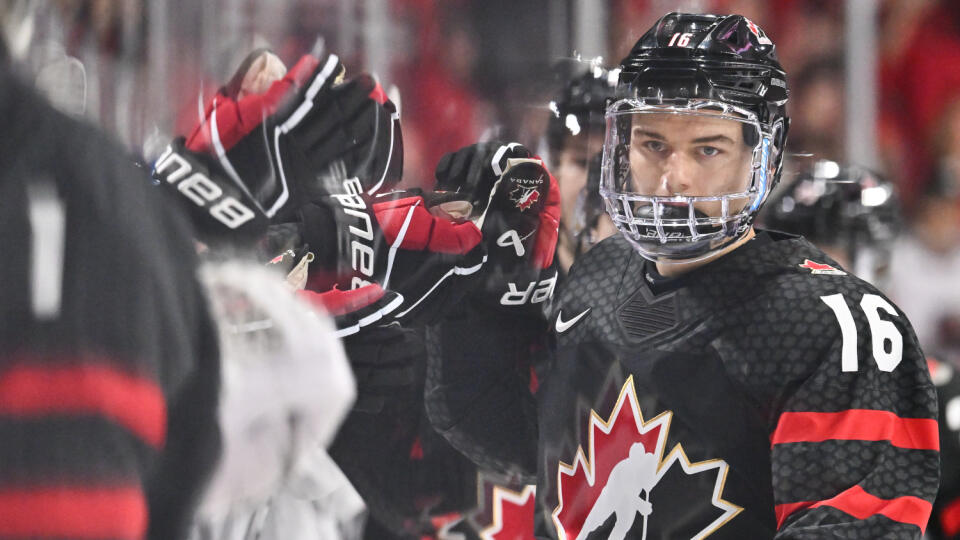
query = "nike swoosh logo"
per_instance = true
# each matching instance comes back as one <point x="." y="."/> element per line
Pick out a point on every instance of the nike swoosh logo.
<point x="563" y="326"/>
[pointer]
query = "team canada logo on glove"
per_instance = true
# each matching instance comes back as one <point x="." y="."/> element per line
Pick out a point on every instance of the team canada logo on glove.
<point x="516" y="204"/>
<point x="527" y="192"/>
<point x="525" y="197"/>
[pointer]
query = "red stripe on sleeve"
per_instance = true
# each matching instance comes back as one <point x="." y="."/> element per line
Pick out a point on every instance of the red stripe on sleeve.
<point x="783" y="511"/>
<point x="133" y="402"/>
<point x="857" y="424"/>
<point x="861" y="505"/>
<point x="71" y="512"/>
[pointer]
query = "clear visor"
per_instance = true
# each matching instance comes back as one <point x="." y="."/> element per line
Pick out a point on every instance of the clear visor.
<point x="682" y="181"/>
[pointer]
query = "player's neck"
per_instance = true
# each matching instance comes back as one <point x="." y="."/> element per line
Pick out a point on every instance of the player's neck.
<point x="677" y="269"/>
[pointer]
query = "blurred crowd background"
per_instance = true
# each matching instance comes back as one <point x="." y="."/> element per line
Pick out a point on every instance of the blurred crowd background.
<point x="873" y="82"/>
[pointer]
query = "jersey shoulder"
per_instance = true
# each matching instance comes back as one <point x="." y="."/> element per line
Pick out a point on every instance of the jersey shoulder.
<point x="806" y="320"/>
<point x="598" y="281"/>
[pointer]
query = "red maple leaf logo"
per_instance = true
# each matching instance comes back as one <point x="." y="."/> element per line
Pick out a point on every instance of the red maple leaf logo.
<point x="623" y="438"/>
<point x="761" y="37"/>
<point x="512" y="514"/>
<point x="820" y="268"/>
<point x="525" y="197"/>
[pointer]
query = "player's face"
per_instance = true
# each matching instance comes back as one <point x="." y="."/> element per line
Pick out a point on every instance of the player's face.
<point x="571" y="170"/>
<point x="691" y="155"/>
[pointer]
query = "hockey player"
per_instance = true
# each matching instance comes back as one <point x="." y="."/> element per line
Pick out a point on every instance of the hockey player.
<point x="781" y="396"/>
<point x="109" y="366"/>
<point x="575" y="139"/>
<point x="413" y="481"/>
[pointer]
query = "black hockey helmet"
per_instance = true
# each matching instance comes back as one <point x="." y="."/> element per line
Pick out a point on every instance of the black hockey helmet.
<point x="580" y="103"/>
<point x="717" y="68"/>
<point x="851" y="208"/>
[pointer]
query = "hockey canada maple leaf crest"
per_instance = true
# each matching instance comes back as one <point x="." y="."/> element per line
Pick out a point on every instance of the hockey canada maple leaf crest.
<point x="614" y="486"/>
<point x="821" y="268"/>
<point x="524" y="197"/>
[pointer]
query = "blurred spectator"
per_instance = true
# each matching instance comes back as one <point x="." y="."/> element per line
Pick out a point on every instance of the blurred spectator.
<point x="816" y="105"/>
<point x="920" y="76"/>
<point x="932" y="299"/>
<point x="924" y="271"/>
<point x="806" y="31"/>
<point x="441" y="109"/>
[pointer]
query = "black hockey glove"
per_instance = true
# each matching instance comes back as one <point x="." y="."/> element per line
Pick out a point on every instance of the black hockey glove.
<point x="385" y="361"/>
<point x="322" y="131"/>
<point x="516" y="205"/>
<point x="222" y="210"/>
<point x="404" y="242"/>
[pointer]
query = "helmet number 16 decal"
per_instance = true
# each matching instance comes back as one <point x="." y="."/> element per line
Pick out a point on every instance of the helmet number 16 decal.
<point x="680" y="40"/>
<point x="881" y="332"/>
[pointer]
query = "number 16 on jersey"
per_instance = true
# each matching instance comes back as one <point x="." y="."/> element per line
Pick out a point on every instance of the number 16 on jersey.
<point x="882" y="333"/>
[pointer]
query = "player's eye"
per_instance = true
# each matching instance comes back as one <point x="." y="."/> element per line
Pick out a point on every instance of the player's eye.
<point x="709" y="151"/>
<point x="655" y="146"/>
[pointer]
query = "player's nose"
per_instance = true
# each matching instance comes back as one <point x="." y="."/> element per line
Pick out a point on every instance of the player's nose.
<point x="677" y="175"/>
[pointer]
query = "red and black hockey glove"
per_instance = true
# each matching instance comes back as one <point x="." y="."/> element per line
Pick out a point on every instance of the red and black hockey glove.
<point x="384" y="357"/>
<point x="516" y="205"/>
<point x="222" y="210"/>
<point x="304" y="135"/>
<point x="402" y="242"/>
<point x="350" y="308"/>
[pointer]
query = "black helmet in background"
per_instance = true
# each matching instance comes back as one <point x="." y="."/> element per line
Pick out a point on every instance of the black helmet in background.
<point x="579" y="105"/>
<point x="850" y="212"/>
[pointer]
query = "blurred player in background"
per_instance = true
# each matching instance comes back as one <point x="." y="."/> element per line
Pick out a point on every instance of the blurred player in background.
<point x="109" y="374"/>
<point x="575" y="139"/>
<point x="851" y="213"/>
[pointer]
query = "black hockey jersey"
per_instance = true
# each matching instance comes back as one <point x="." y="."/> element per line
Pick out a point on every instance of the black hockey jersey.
<point x="768" y="394"/>
<point x="109" y="366"/>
